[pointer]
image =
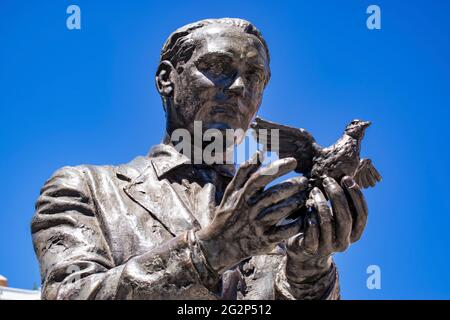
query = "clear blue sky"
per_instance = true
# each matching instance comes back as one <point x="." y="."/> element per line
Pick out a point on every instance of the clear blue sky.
<point x="88" y="96"/>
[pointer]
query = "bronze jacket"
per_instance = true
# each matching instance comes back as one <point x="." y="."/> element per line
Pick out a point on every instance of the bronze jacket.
<point x="126" y="232"/>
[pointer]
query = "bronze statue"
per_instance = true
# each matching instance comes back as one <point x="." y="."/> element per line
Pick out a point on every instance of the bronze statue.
<point x="162" y="227"/>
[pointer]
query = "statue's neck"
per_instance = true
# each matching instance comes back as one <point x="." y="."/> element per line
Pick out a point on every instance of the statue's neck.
<point x="196" y="153"/>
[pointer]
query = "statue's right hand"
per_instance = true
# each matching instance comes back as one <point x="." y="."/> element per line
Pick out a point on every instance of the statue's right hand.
<point x="245" y="222"/>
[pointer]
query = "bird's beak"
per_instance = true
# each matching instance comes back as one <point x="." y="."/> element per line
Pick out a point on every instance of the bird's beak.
<point x="366" y="124"/>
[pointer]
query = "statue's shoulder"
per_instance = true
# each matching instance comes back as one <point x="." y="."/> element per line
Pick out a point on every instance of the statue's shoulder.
<point x="88" y="172"/>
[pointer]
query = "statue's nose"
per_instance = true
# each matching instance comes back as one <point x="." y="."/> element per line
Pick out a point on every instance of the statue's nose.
<point x="237" y="87"/>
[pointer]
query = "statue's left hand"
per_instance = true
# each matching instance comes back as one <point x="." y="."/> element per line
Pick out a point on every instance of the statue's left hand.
<point x="327" y="229"/>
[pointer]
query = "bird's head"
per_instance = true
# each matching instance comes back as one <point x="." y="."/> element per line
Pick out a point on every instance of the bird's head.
<point x="356" y="128"/>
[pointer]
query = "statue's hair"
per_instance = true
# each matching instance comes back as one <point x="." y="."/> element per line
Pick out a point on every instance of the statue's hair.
<point x="179" y="47"/>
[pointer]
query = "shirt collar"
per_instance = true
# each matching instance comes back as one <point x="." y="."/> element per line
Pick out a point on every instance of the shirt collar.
<point x="166" y="158"/>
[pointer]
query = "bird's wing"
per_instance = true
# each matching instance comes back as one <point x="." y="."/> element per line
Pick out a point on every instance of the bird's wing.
<point x="293" y="142"/>
<point x="366" y="175"/>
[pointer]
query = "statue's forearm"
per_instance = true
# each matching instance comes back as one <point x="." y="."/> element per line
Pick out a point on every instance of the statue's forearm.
<point x="174" y="270"/>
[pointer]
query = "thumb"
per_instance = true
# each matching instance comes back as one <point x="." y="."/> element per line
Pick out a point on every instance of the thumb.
<point x="246" y="169"/>
<point x="294" y="243"/>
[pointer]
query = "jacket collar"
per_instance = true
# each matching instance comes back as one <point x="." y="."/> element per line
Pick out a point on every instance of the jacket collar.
<point x="145" y="186"/>
<point x="165" y="158"/>
<point x="168" y="158"/>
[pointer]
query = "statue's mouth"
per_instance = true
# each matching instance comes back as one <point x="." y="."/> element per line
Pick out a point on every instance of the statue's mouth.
<point x="228" y="109"/>
<point x="219" y="126"/>
<point x="219" y="112"/>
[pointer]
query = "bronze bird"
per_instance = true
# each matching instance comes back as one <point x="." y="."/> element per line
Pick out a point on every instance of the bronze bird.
<point x="316" y="162"/>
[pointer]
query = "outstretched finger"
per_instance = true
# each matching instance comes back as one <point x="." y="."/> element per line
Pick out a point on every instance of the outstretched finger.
<point x="244" y="172"/>
<point x="279" y="192"/>
<point x="273" y="214"/>
<point x="341" y="213"/>
<point x="360" y="212"/>
<point x="311" y="236"/>
<point x="280" y="233"/>
<point x="265" y="175"/>
<point x="325" y="220"/>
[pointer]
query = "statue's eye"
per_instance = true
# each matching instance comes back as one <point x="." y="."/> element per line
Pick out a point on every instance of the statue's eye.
<point x="204" y="67"/>
<point x="215" y="66"/>
<point x="211" y="68"/>
<point x="254" y="76"/>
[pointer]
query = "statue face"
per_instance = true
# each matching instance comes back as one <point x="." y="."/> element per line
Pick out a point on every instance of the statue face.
<point x="223" y="82"/>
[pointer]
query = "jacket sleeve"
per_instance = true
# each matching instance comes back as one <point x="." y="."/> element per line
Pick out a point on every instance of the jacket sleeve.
<point x="265" y="279"/>
<point x="76" y="262"/>
<point x="322" y="287"/>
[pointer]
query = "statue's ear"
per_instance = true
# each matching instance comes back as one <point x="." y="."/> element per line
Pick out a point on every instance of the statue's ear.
<point x="164" y="83"/>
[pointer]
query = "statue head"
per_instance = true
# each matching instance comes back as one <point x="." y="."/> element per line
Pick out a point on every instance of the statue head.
<point x="213" y="71"/>
<point x="356" y="128"/>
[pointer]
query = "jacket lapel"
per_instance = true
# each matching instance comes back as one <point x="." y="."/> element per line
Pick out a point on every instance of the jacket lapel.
<point x="160" y="200"/>
<point x="147" y="187"/>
